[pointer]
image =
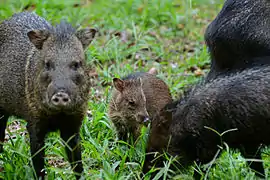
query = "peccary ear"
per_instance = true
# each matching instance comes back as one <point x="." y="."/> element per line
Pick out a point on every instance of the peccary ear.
<point x="86" y="36"/>
<point x="153" y="71"/>
<point x="118" y="84"/>
<point x="37" y="37"/>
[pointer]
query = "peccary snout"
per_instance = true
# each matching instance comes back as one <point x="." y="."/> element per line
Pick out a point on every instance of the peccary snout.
<point x="62" y="94"/>
<point x="60" y="99"/>
<point x="143" y="117"/>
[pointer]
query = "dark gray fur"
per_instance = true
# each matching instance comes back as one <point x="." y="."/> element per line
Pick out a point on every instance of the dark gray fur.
<point x="36" y="63"/>
<point x="239" y="36"/>
<point x="134" y="75"/>
<point x="240" y="100"/>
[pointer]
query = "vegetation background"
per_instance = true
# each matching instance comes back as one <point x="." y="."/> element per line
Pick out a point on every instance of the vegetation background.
<point x="134" y="35"/>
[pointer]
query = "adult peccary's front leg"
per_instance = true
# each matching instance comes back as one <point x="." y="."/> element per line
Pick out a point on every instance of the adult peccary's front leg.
<point x="253" y="152"/>
<point x="37" y="136"/>
<point x="73" y="150"/>
<point x="3" y="124"/>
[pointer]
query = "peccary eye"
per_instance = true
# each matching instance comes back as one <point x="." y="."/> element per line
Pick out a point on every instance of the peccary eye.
<point x="45" y="77"/>
<point x="48" y="65"/>
<point x="131" y="103"/>
<point x="75" y="65"/>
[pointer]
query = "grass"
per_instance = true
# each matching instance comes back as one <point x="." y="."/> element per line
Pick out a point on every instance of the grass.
<point x="134" y="35"/>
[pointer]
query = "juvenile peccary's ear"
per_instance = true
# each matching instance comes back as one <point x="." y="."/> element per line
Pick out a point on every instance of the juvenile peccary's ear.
<point x="86" y="36"/>
<point x="118" y="84"/>
<point x="37" y="37"/>
<point x="153" y="71"/>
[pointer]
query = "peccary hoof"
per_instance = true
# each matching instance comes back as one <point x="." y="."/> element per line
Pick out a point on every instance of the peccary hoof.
<point x="42" y="174"/>
<point x="1" y="148"/>
<point x="197" y="175"/>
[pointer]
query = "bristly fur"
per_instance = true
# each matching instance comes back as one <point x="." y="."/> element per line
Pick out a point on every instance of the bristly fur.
<point x="63" y="31"/>
<point x="184" y="96"/>
<point x="154" y="95"/>
<point x="134" y="75"/>
<point x="230" y="37"/>
<point x="25" y="87"/>
<point x="236" y="101"/>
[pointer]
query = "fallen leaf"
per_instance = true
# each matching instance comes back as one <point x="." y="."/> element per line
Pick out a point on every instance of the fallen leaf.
<point x="198" y="72"/>
<point x="29" y="7"/>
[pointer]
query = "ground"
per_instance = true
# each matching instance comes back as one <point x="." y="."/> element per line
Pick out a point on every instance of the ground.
<point x="134" y="35"/>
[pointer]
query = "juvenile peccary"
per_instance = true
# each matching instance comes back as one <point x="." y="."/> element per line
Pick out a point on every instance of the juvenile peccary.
<point x="135" y="98"/>
<point x="44" y="80"/>
<point x="238" y="102"/>
<point x="239" y="36"/>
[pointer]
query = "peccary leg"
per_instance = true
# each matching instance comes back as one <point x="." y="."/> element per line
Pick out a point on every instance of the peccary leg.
<point x="122" y="132"/>
<point x="148" y="164"/>
<point x="73" y="150"/>
<point x="3" y="124"/>
<point x="197" y="175"/>
<point x="252" y="152"/>
<point x="122" y="136"/>
<point x="37" y="136"/>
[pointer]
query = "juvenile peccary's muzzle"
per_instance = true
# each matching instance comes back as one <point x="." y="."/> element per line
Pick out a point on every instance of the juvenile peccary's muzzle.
<point x="60" y="99"/>
<point x="143" y="117"/>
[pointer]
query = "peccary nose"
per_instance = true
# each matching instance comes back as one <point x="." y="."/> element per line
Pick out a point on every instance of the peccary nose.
<point x="60" y="99"/>
<point x="144" y="118"/>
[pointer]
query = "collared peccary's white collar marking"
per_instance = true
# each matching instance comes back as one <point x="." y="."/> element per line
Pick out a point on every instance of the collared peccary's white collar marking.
<point x="141" y="88"/>
<point x="143" y="95"/>
<point x="114" y="104"/>
<point x="27" y="78"/>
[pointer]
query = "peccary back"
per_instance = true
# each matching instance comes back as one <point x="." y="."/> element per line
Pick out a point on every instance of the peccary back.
<point x="15" y="48"/>
<point x="239" y="35"/>
<point x="238" y="102"/>
<point x="44" y="80"/>
<point x="135" y="99"/>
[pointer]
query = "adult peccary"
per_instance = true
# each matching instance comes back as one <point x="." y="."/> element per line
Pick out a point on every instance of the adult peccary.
<point x="238" y="102"/>
<point x="135" y="99"/>
<point x="239" y="36"/>
<point x="44" y="80"/>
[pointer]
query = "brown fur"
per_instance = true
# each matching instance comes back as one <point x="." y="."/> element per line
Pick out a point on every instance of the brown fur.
<point x="148" y="94"/>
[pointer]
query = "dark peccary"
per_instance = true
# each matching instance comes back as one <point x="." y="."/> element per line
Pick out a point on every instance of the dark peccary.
<point x="135" y="99"/>
<point x="238" y="101"/>
<point x="239" y="36"/>
<point x="44" y="80"/>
